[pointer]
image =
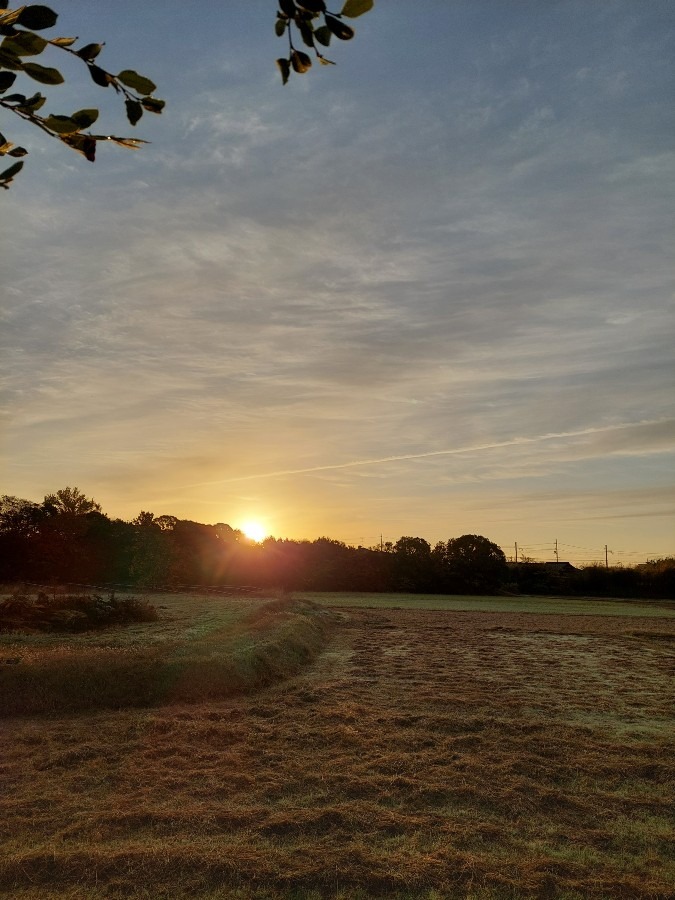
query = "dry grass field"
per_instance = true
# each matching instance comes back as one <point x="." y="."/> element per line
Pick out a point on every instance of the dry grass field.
<point x="421" y="754"/>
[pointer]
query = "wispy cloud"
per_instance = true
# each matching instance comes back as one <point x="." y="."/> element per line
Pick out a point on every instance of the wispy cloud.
<point x="663" y="431"/>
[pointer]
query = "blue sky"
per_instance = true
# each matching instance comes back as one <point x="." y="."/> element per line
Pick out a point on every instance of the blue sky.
<point x="426" y="291"/>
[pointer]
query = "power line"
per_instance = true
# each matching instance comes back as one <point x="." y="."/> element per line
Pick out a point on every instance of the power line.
<point x="552" y="550"/>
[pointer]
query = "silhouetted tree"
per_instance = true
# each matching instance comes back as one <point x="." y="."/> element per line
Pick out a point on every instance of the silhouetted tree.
<point x="470" y="564"/>
<point x="412" y="565"/>
<point x="63" y="545"/>
<point x="530" y="578"/>
<point x="657" y="578"/>
<point x="151" y="553"/>
<point x="18" y="515"/>
<point x="371" y="570"/>
<point x="19" y="526"/>
<point x="70" y="501"/>
<point x="69" y="538"/>
<point x="327" y="564"/>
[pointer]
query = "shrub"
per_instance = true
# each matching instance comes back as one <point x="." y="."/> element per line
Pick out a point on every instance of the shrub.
<point x="71" y="612"/>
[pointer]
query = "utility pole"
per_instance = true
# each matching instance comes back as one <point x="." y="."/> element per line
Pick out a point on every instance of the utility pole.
<point x="381" y="544"/>
<point x="516" y="556"/>
<point x="556" y="550"/>
<point x="606" y="559"/>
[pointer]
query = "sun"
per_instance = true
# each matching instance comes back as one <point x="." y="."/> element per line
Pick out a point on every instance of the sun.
<point x="254" y="531"/>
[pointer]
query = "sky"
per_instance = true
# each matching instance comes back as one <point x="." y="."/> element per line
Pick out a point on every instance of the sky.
<point x="427" y="291"/>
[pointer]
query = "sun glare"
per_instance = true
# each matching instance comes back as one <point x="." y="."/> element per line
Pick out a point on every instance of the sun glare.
<point x="254" y="531"/>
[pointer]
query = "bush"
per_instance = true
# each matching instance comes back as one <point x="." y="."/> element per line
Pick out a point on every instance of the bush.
<point x="71" y="612"/>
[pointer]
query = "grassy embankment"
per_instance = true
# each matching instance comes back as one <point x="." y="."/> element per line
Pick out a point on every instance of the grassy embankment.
<point x="424" y="754"/>
<point x="201" y="648"/>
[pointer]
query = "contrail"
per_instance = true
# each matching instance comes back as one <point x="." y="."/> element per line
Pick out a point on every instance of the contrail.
<point x="512" y="442"/>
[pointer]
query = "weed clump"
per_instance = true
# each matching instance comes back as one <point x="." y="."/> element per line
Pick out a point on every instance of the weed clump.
<point x="71" y="612"/>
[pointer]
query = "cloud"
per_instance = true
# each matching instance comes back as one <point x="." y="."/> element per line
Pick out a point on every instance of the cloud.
<point x="625" y="438"/>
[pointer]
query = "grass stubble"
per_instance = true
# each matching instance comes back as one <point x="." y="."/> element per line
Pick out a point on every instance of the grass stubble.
<point x="421" y="754"/>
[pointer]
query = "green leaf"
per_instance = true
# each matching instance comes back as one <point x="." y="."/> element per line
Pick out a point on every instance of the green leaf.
<point x="25" y="43"/>
<point x="288" y="7"/>
<point x="61" y="124"/>
<point x="99" y="76"/>
<point x="354" y="8"/>
<point x="37" y="101"/>
<point x="83" y="144"/>
<point x="340" y="29"/>
<point x="63" y="41"/>
<point x="7" y="79"/>
<point x="313" y="6"/>
<point x="89" y="51"/>
<point x="37" y="17"/>
<point x="300" y="61"/>
<point x="134" y="110"/>
<point x="43" y="74"/>
<point x="9" y="60"/>
<point x="323" y="35"/>
<point x="285" y="68"/>
<point x="137" y="82"/>
<point x="18" y="151"/>
<point x="8" y="174"/>
<point x="280" y="27"/>
<point x="85" y="117"/>
<point x="152" y="104"/>
<point x="307" y="33"/>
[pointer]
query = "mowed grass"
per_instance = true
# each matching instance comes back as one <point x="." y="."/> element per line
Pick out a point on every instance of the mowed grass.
<point x="577" y="606"/>
<point x="423" y="754"/>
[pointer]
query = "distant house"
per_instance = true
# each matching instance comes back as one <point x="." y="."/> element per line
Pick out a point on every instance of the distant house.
<point x="543" y="577"/>
<point x="555" y="568"/>
<point x="560" y="568"/>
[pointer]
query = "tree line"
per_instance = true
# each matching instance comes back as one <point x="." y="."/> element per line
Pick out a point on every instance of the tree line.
<point x="68" y="539"/>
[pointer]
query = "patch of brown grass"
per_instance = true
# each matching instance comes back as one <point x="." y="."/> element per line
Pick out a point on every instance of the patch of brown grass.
<point x="422" y="755"/>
